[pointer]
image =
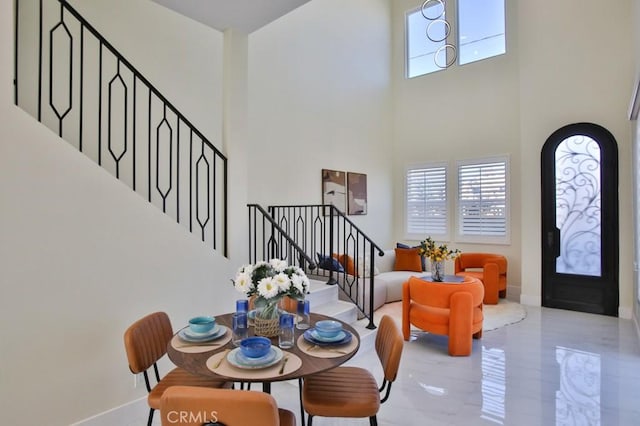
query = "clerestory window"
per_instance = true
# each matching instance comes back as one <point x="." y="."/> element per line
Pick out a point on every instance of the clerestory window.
<point x="441" y="33"/>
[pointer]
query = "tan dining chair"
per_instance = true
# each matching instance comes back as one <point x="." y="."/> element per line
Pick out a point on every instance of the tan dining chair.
<point x="145" y="342"/>
<point x="353" y="391"/>
<point x="195" y="406"/>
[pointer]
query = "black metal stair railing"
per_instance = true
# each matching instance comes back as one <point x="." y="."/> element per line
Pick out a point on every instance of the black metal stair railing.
<point x="75" y="82"/>
<point x="267" y="240"/>
<point x="323" y="230"/>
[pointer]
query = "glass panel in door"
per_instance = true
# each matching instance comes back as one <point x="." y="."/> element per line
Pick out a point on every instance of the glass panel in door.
<point x="578" y="206"/>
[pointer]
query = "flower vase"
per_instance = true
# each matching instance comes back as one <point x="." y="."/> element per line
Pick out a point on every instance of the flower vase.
<point x="437" y="270"/>
<point x="267" y="320"/>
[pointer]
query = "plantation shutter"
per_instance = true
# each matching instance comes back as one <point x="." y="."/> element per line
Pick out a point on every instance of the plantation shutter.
<point x="427" y="200"/>
<point x="482" y="199"/>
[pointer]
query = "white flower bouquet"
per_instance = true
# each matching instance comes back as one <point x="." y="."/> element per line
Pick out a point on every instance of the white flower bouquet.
<point x="270" y="282"/>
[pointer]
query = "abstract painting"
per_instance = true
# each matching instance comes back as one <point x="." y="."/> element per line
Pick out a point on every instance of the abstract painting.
<point x="357" y="193"/>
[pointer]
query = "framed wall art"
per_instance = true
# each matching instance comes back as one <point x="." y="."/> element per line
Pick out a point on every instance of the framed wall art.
<point x="334" y="189"/>
<point x="356" y="193"/>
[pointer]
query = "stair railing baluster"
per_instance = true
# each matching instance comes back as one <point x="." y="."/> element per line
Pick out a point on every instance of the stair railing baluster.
<point x="120" y="116"/>
<point x="326" y="230"/>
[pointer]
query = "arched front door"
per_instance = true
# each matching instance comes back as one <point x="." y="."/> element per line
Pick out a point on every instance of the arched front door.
<point x="580" y="220"/>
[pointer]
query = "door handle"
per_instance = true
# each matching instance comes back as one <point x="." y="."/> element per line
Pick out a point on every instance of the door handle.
<point x="553" y="241"/>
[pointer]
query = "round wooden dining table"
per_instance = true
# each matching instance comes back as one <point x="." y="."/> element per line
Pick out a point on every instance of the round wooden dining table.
<point x="312" y="359"/>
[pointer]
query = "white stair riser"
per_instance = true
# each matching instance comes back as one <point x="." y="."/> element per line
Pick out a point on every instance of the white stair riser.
<point x="324" y="300"/>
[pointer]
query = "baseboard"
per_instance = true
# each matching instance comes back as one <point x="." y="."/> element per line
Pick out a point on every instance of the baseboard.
<point x="625" y="313"/>
<point x="530" y="300"/>
<point x="133" y="413"/>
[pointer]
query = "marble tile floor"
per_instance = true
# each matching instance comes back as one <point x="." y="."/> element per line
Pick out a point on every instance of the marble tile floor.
<point x="555" y="367"/>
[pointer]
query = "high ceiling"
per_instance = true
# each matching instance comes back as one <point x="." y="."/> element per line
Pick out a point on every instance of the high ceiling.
<point x="242" y="15"/>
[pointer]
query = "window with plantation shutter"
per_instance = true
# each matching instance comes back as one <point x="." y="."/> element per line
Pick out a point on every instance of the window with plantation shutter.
<point x="426" y="201"/>
<point x="482" y="200"/>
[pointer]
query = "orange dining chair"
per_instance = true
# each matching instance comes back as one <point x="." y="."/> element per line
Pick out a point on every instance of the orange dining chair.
<point x="196" y="406"/>
<point x="489" y="268"/>
<point x="146" y="342"/>
<point x="450" y="309"/>
<point x="353" y="391"/>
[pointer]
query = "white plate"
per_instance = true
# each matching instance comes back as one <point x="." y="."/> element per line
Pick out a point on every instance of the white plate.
<point x="232" y="357"/>
<point x="197" y="335"/>
<point x="217" y="332"/>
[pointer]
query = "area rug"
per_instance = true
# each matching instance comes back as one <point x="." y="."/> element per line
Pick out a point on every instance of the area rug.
<point x="495" y="316"/>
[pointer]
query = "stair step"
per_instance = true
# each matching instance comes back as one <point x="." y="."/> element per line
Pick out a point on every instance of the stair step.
<point x="321" y="293"/>
<point x="344" y="311"/>
<point x="324" y="299"/>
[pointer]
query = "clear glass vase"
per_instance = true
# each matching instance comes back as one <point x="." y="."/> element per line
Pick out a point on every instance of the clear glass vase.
<point x="437" y="270"/>
<point x="267" y="318"/>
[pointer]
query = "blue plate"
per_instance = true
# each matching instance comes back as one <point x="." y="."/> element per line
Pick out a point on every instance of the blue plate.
<point x="189" y="336"/>
<point x="237" y="359"/>
<point x="342" y="338"/>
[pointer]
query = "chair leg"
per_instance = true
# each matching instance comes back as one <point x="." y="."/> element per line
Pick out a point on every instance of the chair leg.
<point x="373" y="421"/>
<point x="150" y="420"/>
<point x="310" y="417"/>
<point x="300" y="397"/>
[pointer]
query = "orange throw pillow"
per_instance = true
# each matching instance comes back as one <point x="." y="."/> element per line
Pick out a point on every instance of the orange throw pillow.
<point x="348" y="264"/>
<point x="408" y="260"/>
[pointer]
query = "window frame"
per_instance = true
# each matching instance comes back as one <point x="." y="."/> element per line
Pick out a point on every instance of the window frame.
<point x="447" y="202"/>
<point x="452" y="11"/>
<point x="459" y="34"/>
<point x="484" y="239"/>
<point x="407" y="59"/>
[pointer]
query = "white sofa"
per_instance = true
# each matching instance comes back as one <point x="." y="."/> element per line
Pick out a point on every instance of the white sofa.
<point x="387" y="285"/>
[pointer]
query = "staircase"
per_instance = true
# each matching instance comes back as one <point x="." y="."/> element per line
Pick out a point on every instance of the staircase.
<point x="324" y="299"/>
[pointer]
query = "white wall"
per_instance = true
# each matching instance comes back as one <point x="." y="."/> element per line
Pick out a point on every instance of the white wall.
<point x="464" y="112"/>
<point x="635" y="133"/>
<point x="319" y="97"/>
<point x="558" y="69"/>
<point x="569" y="73"/>
<point x="180" y="56"/>
<point x="81" y="257"/>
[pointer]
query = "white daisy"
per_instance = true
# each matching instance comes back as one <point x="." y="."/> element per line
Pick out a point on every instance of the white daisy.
<point x="283" y="282"/>
<point x="278" y="264"/>
<point x="298" y="283"/>
<point x="267" y="288"/>
<point x="243" y="282"/>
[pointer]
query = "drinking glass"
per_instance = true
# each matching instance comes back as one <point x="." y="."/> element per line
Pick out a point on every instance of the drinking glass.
<point x="285" y="339"/>
<point x="242" y="305"/>
<point x="239" y="327"/>
<point x="303" y="315"/>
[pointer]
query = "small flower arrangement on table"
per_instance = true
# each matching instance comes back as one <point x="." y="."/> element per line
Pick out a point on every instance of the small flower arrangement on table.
<point x="270" y="282"/>
<point x="437" y="254"/>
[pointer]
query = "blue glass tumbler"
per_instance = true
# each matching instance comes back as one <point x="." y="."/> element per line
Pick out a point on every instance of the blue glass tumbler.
<point x="303" y="315"/>
<point x="239" y="327"/>
<point x="285" y="339"/>
<point x="242" y="305"/>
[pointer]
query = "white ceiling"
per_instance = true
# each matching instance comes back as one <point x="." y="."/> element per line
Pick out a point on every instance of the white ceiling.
<point x="242" y="15"/>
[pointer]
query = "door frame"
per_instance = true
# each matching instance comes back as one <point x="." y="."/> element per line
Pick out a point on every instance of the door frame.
<point x="608" y="283"/>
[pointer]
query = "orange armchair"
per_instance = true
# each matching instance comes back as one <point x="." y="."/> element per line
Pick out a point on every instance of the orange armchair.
<point x="451" y="309"/>
<point x="489" y="268"/>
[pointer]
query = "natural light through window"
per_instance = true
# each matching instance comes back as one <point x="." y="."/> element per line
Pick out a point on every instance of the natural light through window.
<point x="481" y="29"/>
<point x="478" y="26"/>
<point x="482" y="200"/>
<point x="420" y="50"/>
<point x="426" y="192"/>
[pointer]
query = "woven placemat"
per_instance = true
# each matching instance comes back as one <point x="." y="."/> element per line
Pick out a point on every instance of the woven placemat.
<point x="330" y="351"/>
<point x="193" y="348"/>
<point x="225" y="368"/>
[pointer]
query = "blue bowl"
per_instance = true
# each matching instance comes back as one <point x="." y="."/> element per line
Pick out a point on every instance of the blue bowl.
<point x="255" y="347"/>
<point x="328" y="328"/>
<point x="203" y="324"/>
